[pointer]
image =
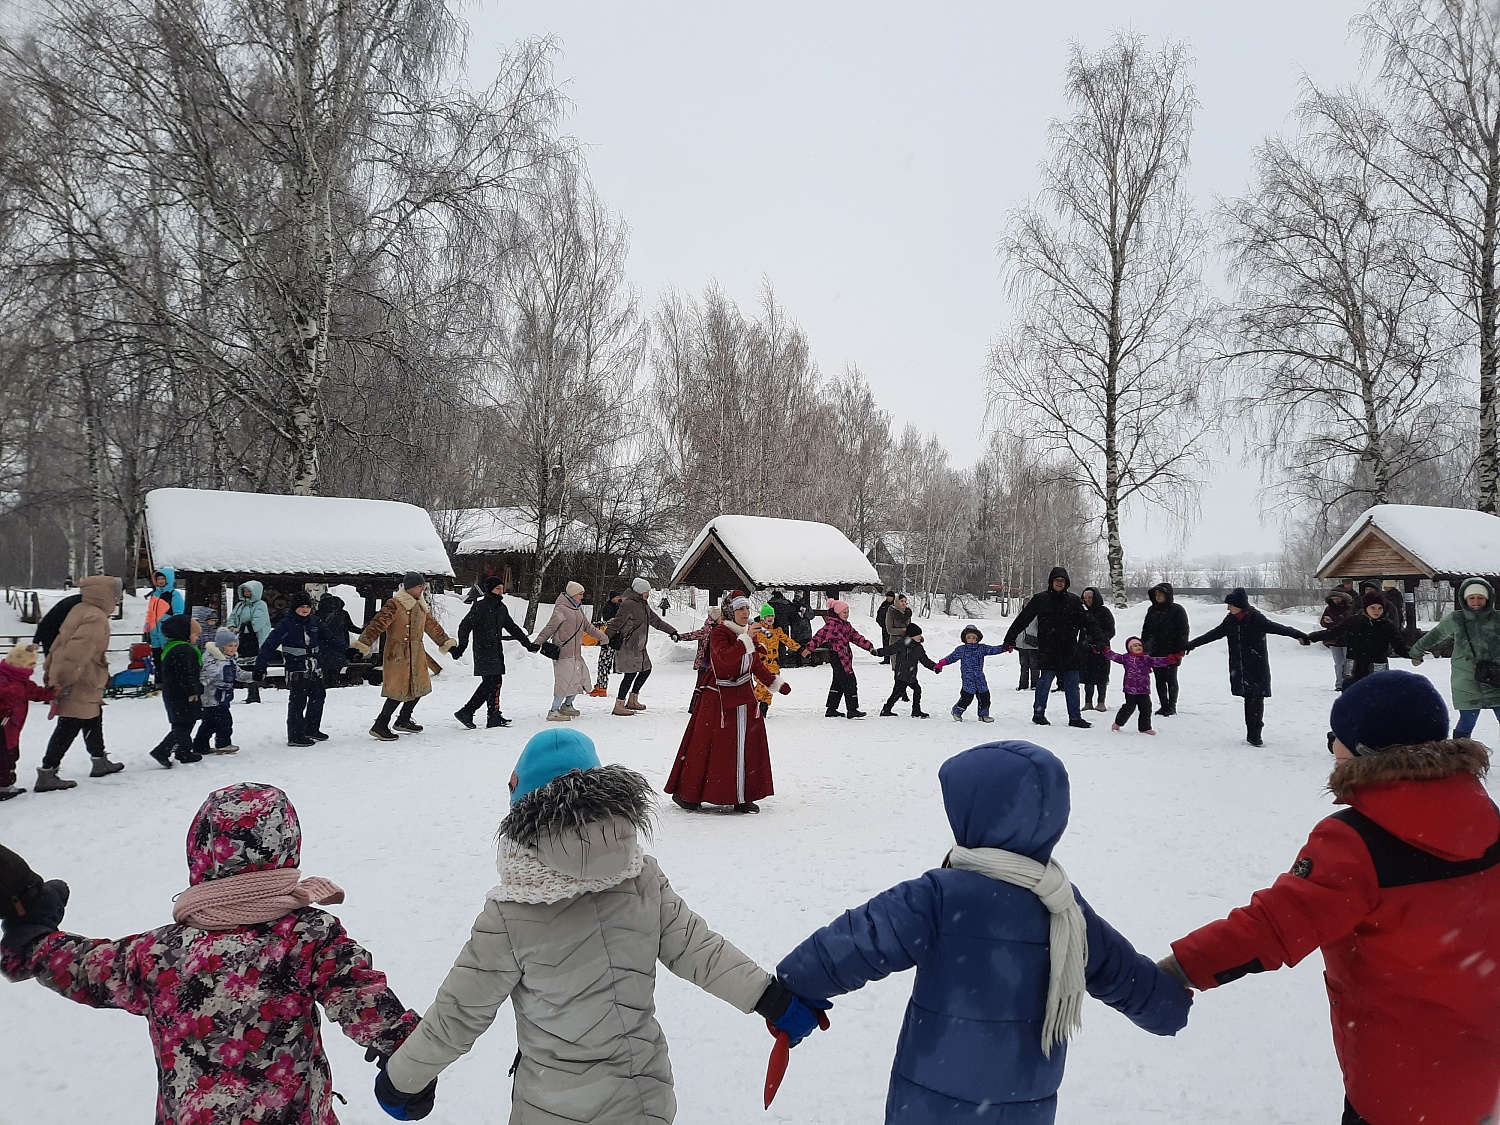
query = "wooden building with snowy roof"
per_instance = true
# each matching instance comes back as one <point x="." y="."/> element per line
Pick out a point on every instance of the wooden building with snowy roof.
<point x="764" y="553"/>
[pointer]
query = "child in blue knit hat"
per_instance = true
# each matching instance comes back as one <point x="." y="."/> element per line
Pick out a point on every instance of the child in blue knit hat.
<point x="571" y="936"/>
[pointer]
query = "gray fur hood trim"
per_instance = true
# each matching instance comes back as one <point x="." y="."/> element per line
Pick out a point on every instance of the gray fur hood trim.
<point x="570" y="804"/>
<point x="1423" y="761"/>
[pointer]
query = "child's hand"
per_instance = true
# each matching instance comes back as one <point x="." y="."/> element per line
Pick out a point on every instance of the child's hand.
<point x="785" y="1011"/>
<point x="403" y="1106"/>
<point x="941" y="664"/>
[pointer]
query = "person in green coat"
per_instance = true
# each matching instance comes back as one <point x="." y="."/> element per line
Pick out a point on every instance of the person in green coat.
<point x="1475" y="631"/>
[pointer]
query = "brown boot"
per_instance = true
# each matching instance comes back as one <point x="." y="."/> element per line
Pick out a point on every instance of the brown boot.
<point x="622" y="708"/>
<point x="635" y="703"/>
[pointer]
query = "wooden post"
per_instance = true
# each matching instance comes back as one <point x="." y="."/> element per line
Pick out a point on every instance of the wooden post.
<point x="1409" y="599"/>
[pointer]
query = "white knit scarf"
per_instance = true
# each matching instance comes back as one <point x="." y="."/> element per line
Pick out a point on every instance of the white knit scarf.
<point x="525" y="878"/>
<point x="1068" y="934"/>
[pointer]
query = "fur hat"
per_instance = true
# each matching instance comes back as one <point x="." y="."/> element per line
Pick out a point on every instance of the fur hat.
<point x="224" y="637"/>
<point x="22" y="656"/>
<point x="913" y="630"/>
<point x="550" y="754"/>
<point x="967" y="629"/>
<point x="1389" y="709"/>
<point x="411" y="580"/>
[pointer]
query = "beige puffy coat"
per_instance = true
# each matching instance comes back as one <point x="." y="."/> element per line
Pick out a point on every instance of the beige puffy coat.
<point x="633" y="623"/>
<point x="571" y="937"/>
<point x="566" y="629"/>
<point x="404" y="620"/>
<point x="77" y="665"/>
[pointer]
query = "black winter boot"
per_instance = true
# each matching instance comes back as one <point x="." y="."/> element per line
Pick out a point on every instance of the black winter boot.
<point x="466" y="718"/>
<point x="853" y="705"/>
<point x="832" y="709"/>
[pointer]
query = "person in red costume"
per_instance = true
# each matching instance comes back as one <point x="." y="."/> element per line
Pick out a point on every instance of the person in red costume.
<point x="724" y="758"/>
<point x="1401" y="892"/>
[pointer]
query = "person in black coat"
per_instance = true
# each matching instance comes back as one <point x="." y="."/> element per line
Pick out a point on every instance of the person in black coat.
<point x="907" y="654"/>
<point x="1165" y="632"/>
<point x="488" y="622"/>
<point x="179" y="677"/>
<point x="1060" y="620"/>
<point x="1093" y="665"/>
<point x="332" y="613"/>
<point x="1244" y="628"/>
<point x="880" y="611"/>
<point x="310" y="650"/>
<point x="1368" y="639"/>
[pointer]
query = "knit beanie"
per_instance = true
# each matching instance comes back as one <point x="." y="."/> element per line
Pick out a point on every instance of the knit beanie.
<point x="768" y="610"/>
<point x="300" y="597"/>
<point x="1389" y="709"/>
<point x="1372" y="598"/>
<point x="914" y="630"/>
<point x="201" y="613"/>
<point x="1474" y="586"/>
<point x="641" y="586"/>
<point x="1237" y="598"/>
<point x="575" y="589"/>
<point x="971" y="629"/>
<point x="224" y="637"/>
<point x="550" y="754"/>
<point x="16" y="879"/>
<point x="1133" y="640"/>
<point x="487" y="584"/>
<point x="411" y="580"/>
<point x="838" y="607"/>
<point x="22" y="656"/>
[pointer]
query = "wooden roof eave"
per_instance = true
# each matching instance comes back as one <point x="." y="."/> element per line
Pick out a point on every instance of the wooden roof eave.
<point x="1339" y="567"/>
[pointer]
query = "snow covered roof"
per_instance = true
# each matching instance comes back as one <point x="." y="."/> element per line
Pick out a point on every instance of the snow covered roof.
<point x="1454" y="542"/>
<point x="766" y="552"/>
<point x="196" y="529"/>
<point x="481" y="530"/>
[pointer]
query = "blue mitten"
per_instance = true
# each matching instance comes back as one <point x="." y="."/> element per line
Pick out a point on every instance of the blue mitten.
<point x="785" y="1011"/>
<point x="404" y="1107"/>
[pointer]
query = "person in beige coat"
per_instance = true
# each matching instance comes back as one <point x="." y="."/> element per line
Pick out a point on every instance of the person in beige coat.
<point x="77" y="666"/>
<point x="566" y="629"/>
<point x="406" y="675"/>
<point x="572" y="936"/>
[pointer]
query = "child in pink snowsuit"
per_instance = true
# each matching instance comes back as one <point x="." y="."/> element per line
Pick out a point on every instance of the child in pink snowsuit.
<point x="1138" y="668"/>
<point x="838" y="635"/>
<point x="17" y="692"/>
<point x="231" y="990"/>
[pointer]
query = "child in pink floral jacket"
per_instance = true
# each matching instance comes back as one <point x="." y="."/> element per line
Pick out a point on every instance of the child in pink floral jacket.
<point x="838" y="635"/>
<point x="231" y="990"/>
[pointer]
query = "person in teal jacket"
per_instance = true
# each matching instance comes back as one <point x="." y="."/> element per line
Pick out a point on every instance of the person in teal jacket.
<point x="1474" y="628"/>
<point x="252" y="621"/>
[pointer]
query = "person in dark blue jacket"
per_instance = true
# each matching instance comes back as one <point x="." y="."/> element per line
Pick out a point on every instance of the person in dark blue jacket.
<point x="985" y="1031"/>
<point x="310" y="650"/>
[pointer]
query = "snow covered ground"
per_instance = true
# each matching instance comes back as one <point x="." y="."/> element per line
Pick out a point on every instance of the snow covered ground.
<point x="1167" y="833"/>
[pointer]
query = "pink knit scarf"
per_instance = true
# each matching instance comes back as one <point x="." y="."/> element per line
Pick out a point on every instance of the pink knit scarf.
<point x="252" y="898"/>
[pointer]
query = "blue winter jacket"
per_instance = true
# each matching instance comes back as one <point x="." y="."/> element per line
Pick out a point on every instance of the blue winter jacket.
<point x="970" y="659"/>
<point x="168" y="593"/>
<point x="299" y="640"/>
<point x="970" y="1048"/>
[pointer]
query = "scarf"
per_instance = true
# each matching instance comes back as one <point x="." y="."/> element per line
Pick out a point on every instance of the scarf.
<point x="1068" y="935"/>
<point x="525" y="878"/>
<point x="251" y="898"/>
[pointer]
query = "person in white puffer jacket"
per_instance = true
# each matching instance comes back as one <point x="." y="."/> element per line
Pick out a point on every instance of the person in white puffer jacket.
<point x="572" y="936"/>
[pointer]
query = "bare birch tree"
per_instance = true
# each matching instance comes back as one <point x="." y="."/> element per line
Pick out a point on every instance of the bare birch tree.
<point x="1105" y="362"/>
<point x="1348" y="346"/>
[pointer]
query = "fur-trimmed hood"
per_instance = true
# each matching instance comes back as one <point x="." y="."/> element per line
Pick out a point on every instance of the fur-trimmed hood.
<point x="1428" y="794"/>
<point x="585" y="825"/>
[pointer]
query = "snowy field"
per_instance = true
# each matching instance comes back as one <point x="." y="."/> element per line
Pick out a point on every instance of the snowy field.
<point x="1167" y="833"/>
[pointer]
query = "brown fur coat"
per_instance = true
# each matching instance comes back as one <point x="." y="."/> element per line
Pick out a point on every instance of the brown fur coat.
<point x="404" y="621"/>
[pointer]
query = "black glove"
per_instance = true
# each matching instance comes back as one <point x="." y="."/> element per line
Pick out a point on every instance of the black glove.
<point x="36" y="913"/>
<point x="17" y="882"/>
<point x="532" y="647"/>
<point x="404" y="1107"/>
<point x="675" y="638"/>
<point x="455" y="652"/>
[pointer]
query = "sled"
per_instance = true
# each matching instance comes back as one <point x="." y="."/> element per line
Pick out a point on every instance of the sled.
<point x="134" y="681"/>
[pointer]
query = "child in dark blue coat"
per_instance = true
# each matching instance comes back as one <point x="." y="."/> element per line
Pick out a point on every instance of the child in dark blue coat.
<point x="1004" y="948"/>
<point x="970" y="656"/>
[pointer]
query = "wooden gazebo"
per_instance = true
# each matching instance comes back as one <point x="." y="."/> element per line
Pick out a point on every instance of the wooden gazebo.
<point x="1410" y="542"/>
<point x="762" y="553"/>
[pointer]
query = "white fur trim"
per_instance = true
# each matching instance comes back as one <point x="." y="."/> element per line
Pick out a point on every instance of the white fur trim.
<point x="525" y="878"/>
<point x="748" y="641"/>
<point x="776" y="685"/>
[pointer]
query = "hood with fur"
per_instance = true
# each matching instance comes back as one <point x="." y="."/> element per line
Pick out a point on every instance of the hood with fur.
<point x="1429" y="795"/>
<point x="585" y="824"/>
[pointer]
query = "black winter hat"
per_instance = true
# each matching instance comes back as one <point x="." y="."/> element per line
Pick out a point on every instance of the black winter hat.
<point x="411" y="580"/>
<point x="1389" y="709"/>
<point x="978" y="636"/>
<point x="490" y="582"/>
<point x="914" y="630"/>
<point x="1059" y="572"/>
<point x="17" y="879"/>
<point x="301" y="597"/>
<point x="178" y="627"/>
<point x="1237" y="598"/>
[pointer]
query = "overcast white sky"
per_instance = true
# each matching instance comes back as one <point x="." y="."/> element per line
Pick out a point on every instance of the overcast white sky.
<point x="864" y="156"/>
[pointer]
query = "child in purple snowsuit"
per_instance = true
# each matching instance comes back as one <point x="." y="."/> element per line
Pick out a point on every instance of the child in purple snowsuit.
<point x="970" y="656"/>
<point x="1138" y="667"/>
<point x="838" y="635"/>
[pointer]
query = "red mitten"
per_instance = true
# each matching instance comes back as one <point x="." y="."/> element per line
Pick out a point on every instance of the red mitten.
<point x="941" y="664"/>
<point x="784" y="689"/>
<point x="1175" y="658"/>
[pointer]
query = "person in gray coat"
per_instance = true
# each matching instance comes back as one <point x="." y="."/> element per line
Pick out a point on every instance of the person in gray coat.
<point x="571" y="937"/>
<point x="629" y="630"/>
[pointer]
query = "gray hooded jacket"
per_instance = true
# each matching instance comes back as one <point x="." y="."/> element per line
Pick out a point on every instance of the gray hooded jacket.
<point x="572" y="936"/>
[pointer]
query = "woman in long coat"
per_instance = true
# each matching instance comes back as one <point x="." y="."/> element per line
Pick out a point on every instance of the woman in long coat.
<point x="406" y="678"/>
<point x="1244" y="628"/>
<point x="488" y="622"/>
<point x="78" y="668"/>
<point x="1474" y="629"/>
<point x="724" y="758"/>
<point x="1093" y="664"/>
<point x="629" y="631"/>
<point x="566" y="629"/>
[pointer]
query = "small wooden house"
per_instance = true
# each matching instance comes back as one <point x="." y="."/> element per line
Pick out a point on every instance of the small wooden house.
<point x="762" y="553"/>
<point x="502" y="541"/>
<point x="1411" y="542"/>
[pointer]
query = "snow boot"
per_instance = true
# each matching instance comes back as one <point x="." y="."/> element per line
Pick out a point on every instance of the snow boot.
<point x="832" y="714"/>
<point x="496" y="720"/>
<point x="162" y="758"/>
<point x="1101" y="706"/>
<point x="622" y="708"/>
<point x="300" y="740"/>
<point x="634" y="703"/>
<point x="227" y="748"/>
<point x="855" y="713"/>
<point x="570" y="711"/>
<point x="188" y="757"/>
<point x="599" y="692"/>
<point x="103" y="767"/>
<point x="1166" y="710"/>
<point x="1081" y="724"/>
<point x="918" y="714"/>
<point x="1253" y="740"/>
<point x="1114" y="726"/>
<point x="748" y="806"/>
<point x="556" y="717"/>
<point x="47" y="781"/>
<point x="383" y="732"/>
<point x="887" y="713"/>
<point x="1041" y="720"/>
<point x="9" y="791"/>
<point x="689" y="806"/>
<point x="1148" y="730"/>
<point x="985" y="719"/>
<point x="958" y="716"/>
<point x="406" y="725"/>
<point x="317" y="736"/>
<point x="466" y="719"/>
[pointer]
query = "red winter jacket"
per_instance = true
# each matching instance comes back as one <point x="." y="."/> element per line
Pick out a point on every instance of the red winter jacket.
<point x="1401" y="891"/>
<point x="16" y="691"/>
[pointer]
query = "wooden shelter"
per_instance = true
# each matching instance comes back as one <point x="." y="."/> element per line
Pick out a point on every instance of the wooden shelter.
<point x="1411" y="542"/>
<point x="762" y="553"/>
<point x="502" y="541"/>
